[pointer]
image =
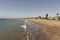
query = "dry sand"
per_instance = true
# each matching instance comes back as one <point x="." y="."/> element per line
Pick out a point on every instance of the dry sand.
<point x="51" y="27"/>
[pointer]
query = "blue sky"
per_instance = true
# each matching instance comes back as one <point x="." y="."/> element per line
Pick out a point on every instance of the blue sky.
<point x="28" y="8"/>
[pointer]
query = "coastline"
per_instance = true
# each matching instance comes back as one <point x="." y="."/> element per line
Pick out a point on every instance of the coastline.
<point x="51" y="27"/>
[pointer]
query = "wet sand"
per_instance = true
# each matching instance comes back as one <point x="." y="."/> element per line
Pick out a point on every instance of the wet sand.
<point x="36" y="32"/>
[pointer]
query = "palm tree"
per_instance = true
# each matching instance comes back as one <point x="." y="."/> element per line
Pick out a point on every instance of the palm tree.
<point x="46" y="16"/>
<point x="58" y="17"/>
<point x="57" y="14"/>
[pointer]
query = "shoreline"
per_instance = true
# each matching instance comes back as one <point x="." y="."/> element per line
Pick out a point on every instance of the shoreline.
<point x="51" y="27"/>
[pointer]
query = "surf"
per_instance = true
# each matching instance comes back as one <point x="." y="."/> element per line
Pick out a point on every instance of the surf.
<point x="24" y="25"/>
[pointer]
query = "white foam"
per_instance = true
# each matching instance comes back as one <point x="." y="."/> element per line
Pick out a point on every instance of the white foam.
<point x="24" y="26"/>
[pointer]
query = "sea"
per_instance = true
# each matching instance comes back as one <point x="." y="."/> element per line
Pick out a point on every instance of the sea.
<point x="10" y="29"/>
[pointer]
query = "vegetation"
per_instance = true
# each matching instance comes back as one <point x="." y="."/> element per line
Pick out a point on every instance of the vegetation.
<point x="57" y="17"/>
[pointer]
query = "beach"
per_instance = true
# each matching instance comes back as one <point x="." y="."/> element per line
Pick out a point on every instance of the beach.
<point x="18" y="29"/>
<point x="51" y="27"/>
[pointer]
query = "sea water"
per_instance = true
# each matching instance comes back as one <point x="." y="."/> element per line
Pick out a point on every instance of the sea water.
<point x="10" y="29"/>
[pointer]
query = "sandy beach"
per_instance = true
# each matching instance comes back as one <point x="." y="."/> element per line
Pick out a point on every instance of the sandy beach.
<point x="51" y="27"/>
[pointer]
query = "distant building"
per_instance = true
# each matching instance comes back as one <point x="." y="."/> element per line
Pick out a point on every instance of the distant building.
<point x="57" y="18"/>
<point x="50" y="18"/>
